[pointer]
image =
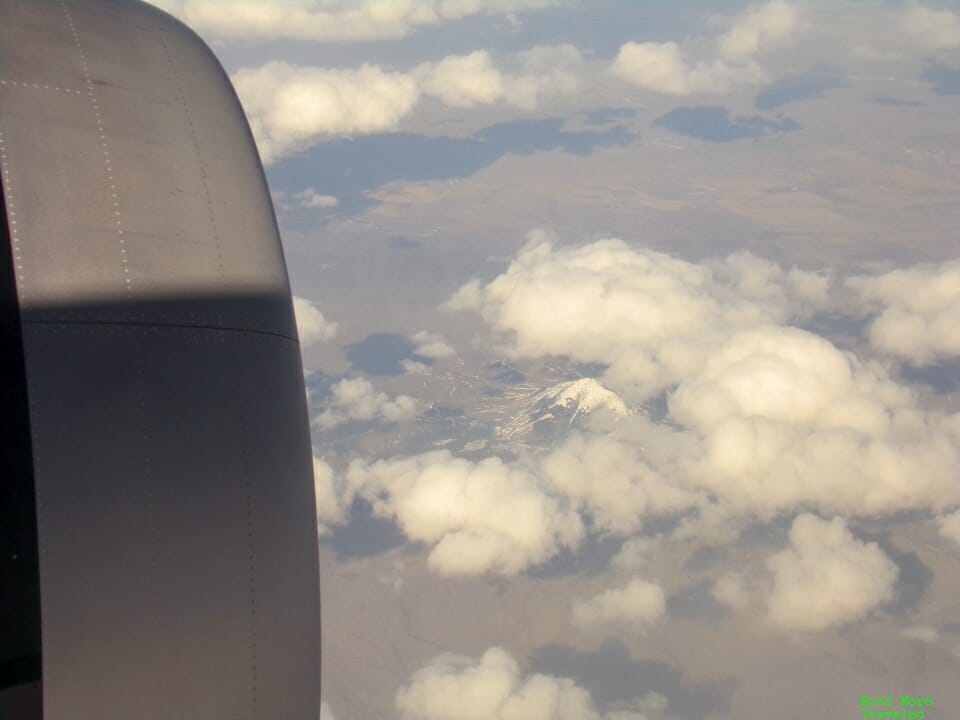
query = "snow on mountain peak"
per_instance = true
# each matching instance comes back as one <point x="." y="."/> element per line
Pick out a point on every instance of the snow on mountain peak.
<point x="583" y="396"/>
<point x="567" y="401"/>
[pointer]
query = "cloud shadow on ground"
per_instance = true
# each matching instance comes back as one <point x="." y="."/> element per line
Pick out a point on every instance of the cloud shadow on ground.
<point x="714" y="124"/>
<point x="614" y="677"/>
<point x="350" y="168"/>
<point x="945" y="79"/>
<point x="365" y="535"/>
<point x="382" y="354"/>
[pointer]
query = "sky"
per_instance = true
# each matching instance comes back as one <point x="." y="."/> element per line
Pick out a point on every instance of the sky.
<point x="631" y="335"/>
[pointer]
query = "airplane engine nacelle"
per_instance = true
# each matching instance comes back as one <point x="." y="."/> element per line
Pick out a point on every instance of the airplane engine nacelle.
<point x="159" y="554"/>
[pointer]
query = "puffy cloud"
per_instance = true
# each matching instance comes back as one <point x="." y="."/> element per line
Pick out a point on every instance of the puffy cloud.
<point x="788" y="375"/>
<point x="357" y="400"/>
<point x="646" y="315"/>
<point x="467" y="80"/>
<point x="950" y="526"/>
<point x="758" y="29"/>
<point x="463" y="80"/>
<point x="824" y="578"/>
<point x="453" y="687"/>
<point x="663" y="66"/>
<point x="787" y="419"/>
<point x="764" y="419"/>
<point x="502" y="518"/>
<point x="638" y="604"/>
<point x="932" y="29"/>
<point x="827" y="577"/>
<point x="484" y="517"/>
<point x="610" y="481"/>
<point x="332" y="20"/>
<point x="919" y="318"/>
<point x="312" y="326"/>
<point x="292" y="107"/>
<point x="431" y="345"/>
<point x="497" y="517"/>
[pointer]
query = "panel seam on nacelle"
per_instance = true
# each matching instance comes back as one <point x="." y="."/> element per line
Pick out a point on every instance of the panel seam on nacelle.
<point x="40" y="86"/>
<point x="91" y="93"/>
<point x="196" y="151"/>
<point x="12" y="219"/>
<point x="183" y="326"/>
<point x="145" y="469"/>
<point x="252" y="557"/>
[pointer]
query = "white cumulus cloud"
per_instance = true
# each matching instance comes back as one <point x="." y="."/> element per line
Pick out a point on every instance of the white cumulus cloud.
<point x="610" y="481"/>
<point x="919" y="311"/>
<point x="500" y="517"/>
<point x="493" y="687"/>
<point x="637" y="605"/>
<point x="357" y="400"/>
<point x="649" y="317"/>
<point x="312" y="326"/>
<point x="664" y="66"/>
<point x="463" y="81"/>
<point x="484" y="517"/>
<point x="827" y="577"/>
<point x="765" y="418"/>
<point x="453" y="687"/>
<point x="292" y="107"/>
<point x="431" y="345"/>
<point x="787" y="419"/>
<point x="759" y="28"/>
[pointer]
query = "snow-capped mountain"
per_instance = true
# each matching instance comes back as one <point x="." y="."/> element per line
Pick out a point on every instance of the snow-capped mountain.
<point x="560" y="405"/>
